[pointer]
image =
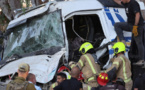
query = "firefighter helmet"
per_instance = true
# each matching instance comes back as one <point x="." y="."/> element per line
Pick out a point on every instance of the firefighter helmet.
<point x="119" y="47"/>
<point x="85" y="47"/>
<point x="63" y="68"/>
<point x="67" y="74"/>
<point x="102" y="79"/>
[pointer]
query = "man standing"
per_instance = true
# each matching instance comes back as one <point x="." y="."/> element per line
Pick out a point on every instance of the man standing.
<point x="32" y="79"/>
<point x="60" y="78"/>
<point x="121" y="65"/>
<point x="20" y="83"/>
<point x="73" y="83"/>
<point x="134" y="24"/>
<point x="88" y="64"/>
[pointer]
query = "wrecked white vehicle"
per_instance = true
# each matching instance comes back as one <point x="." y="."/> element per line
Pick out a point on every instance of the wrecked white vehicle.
<point x="42" y="37"/>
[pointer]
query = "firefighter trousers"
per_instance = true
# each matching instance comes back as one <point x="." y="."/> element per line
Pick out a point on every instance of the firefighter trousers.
<point x="128" y="85"/>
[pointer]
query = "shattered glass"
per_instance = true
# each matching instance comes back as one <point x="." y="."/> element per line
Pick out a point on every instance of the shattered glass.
<point x="40" y="32"/>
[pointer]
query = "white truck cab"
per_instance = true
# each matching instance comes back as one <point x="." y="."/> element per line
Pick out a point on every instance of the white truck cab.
<point x="44" y="36"/>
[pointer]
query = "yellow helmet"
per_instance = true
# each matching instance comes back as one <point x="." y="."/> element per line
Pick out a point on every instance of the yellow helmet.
<point x="118" y="47"/>
<point x="85" y="47"/>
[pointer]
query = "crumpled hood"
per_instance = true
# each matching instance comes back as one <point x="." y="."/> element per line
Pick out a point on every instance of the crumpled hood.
<point x="43" y="66"/>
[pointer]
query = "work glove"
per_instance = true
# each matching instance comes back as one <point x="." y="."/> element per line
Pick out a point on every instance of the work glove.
<point x="71" y="63"/>
<point x="134" y="30"/>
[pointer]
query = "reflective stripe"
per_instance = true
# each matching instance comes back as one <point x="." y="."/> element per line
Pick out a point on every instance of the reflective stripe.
<point x="53" y="85"/>
<point x="69" y="77"/>
<point x="90" y="63"/>
<point x="89" y="88"/>
<point x="72" y="65"/>
<point x="124" y="69"/>
<point x="116" y="63"/>
<point x="80" y="61"/>
<point x="126" y="81"/>
<point x="67" y="74"/>
<point x="91" y="78"/>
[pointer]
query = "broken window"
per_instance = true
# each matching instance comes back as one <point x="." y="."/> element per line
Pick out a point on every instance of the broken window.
<point x="40" y="32"/>
<point x="82" y="28"/>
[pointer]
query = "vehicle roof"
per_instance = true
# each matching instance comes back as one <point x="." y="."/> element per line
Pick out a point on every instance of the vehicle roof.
<point x="77" y="5"/>
<point x="67" y="7"/>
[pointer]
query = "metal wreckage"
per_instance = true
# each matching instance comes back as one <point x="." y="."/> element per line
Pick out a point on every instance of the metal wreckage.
<point x="48" y="36"/>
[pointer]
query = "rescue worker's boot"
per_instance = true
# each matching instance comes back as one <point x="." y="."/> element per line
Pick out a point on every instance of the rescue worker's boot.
<point x="139" y="63"/>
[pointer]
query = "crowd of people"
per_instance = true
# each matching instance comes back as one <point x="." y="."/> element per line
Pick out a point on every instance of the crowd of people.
<point x="117" y="77"/>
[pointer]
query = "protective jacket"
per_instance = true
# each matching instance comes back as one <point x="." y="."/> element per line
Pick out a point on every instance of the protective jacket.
<point x="89" y="68"/>
<point x="123" y="70"/>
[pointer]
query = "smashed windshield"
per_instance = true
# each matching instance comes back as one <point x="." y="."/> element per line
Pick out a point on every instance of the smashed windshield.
<point x="40" y="32"/>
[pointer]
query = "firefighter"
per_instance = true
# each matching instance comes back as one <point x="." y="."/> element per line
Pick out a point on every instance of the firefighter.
<point x="135" y="25"/>
<point x="87" y="64"/>
<point x="121" y="65"/>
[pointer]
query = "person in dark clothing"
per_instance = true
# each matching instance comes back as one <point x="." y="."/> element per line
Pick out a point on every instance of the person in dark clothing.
<point x="112" y="85"/>
<point x="139" y="83"/>
<point x="60" y="78"/>
<point x="73" y="83"/>
<point x="134" y="24"/>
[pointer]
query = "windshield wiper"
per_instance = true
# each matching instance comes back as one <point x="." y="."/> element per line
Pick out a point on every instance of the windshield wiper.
<point x="13" y="58"/>
<point x="10" y="59"/>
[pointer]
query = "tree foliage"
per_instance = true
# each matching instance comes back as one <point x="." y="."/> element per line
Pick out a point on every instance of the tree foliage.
<point x="8" y="7"/>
